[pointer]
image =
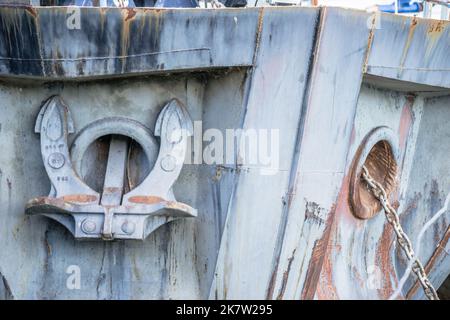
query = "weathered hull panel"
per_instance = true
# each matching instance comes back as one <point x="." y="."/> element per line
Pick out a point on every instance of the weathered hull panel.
<point x="325" y="78"/>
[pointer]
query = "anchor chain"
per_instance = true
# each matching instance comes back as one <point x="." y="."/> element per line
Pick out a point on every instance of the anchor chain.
<point x="405" y="243"/>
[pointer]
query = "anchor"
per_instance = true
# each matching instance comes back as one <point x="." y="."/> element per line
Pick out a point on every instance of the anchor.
<point x="86" y="213"/>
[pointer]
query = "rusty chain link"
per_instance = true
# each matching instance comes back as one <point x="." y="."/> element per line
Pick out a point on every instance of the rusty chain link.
<point x="392" y="217"/>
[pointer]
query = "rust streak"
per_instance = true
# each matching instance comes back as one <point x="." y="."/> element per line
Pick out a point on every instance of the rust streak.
<point x="62" y="201"/>
<point x="369" y="43"/>
<point x="258" y="34"/>
<point x="131" y="13"/>
<point x="412" y="28"/>
<point x="31" y="10"/>
<point x="79" y="198"/>
<point x="146" y="199"/>
<point x="286" y="276"/>
<point x="317" y="260"/>
<point x="112" y="190"/>
<point x="384" y="257"/>
<point x="434" y="32"/>
<point x="436" y="27"/>
<point x="325" y="287"/>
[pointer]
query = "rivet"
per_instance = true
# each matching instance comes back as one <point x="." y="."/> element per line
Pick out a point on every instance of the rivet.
<point x="56" y="160"/>
<point x="88" y="226"/>
<point x="128" y="227"/>
<point x="168" y="163"/>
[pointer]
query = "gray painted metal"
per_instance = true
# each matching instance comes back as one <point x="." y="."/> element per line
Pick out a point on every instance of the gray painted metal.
<point x="115" y="41"/>
<point x="421" y="54"/>
<point x="324" y="77"/>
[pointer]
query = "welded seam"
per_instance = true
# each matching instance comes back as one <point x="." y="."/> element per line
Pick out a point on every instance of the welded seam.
<point x="105" y="57"/>
<point x="409" y="68"/>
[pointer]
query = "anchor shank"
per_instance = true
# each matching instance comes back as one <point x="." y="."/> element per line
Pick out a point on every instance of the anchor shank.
<point x="115" y="172"/>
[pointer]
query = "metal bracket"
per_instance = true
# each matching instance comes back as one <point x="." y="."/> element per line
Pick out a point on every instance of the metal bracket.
<point x="113" y="215"/>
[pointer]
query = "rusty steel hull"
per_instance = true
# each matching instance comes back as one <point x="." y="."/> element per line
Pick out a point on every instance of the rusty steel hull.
<point x="326" y="78"/>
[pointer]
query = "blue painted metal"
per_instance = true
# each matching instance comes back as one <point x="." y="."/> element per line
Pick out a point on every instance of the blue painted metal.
<point x="176" y="4"/>
<point x="404" y="6"/>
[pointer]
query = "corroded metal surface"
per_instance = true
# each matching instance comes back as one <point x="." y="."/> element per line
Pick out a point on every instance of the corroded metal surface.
<point x="420" y="54"/>
<point x="114" y="41"/>
<point x="324" y="77"/>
